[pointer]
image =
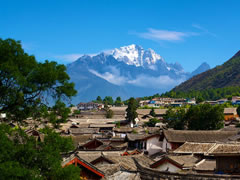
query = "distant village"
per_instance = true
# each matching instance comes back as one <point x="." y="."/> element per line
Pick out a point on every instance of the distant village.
<point x="114" y="148"/>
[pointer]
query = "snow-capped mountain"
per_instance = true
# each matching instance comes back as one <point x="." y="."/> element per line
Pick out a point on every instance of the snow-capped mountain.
<point x="126" y="71"/>
<point x="135" y="55"/>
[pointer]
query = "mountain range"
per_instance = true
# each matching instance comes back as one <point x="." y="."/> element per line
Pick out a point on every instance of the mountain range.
<point x="126" y="71"/>
<point x="225" y="75"/>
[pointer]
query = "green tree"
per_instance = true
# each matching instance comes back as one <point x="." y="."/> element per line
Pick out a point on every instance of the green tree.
<point x="26" y="85"/>
<point x="108" y="99"/>
<point x="132" y="110"/>
<point x="22" y="157"/>
<point x="109" y="113"/>
<point x="99" y="99"/>
<point x="175" y="118"/>
<point x="58" y="114"/>
<point x="152" y="122"/>
<point x="238" y="110"/>
<point x="205" y="117"/>
<point x="26" y="89"/>
<point x="152" y="112"/>
<point x="118" y="101"/>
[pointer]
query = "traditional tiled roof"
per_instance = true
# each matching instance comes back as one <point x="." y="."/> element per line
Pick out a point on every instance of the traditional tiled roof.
<point x="83" y="130"/>
<point x="102" y="125"/>
<point x="147" y="111"/>
<point x="194" y="148"/>
<point x="75" y="158"/>
<point x="225" y="149"/>
<point x="182" y="136"/>
<point x="135" y="137"/>
<point x="206" y="165"/>
<point x="125" y="162"/>
<point x="230" y="111"/>
<point x="81" y="139"/>
<point x="182" y="161"/>
<point x="123" y="130"/>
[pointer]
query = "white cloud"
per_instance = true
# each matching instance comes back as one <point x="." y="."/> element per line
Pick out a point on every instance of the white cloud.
<point x="68" y="57"/>
<point x="112" y="77"/>
<point x="206" y="31"/>
<point x="160" y="82"/>
<point x="165" y="35"/>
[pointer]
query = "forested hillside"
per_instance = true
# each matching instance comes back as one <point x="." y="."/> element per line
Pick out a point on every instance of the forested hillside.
<point x="226" y="75"/>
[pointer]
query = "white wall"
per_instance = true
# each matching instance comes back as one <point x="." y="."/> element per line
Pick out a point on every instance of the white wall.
<point x="153" y="145"/>
<point x="166" y="166"/>
<point x="166" y="145"/>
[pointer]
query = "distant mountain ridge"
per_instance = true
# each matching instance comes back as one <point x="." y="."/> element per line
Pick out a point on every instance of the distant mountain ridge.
<point x="225" y="75"/>
<point x="126" y="71"/>
<point x="202" y="68"/>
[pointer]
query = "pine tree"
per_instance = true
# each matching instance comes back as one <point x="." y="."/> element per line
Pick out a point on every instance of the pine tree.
<point x="132" y="110"/>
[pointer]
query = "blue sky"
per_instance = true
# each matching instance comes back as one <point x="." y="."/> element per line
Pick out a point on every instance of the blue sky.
<point x="189" y="32"/>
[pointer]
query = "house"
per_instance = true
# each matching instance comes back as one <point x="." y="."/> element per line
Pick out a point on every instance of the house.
<point x="112" y="163"/>
<point x="80" y="131"/>
<point x="191" y="101"/>
<point x="227" y="158"/>
<point x="122" y="131"/>
<point x="222" y="101"/>
<point x="144" y="103"/>
<point x="144" y="112"/>
<point x="89" y="106"/>
<point x="176" y="104"/>
<point x="173" y="139"/>
<point x="235" y="99"/>
<point x="151" y="173"/>
<point x="210" y="102"/>
<point x="149" y="143"/>
<point x="91" y="145"/>
<point x="88" y="171"/>
<point x="172" y="163"/>
<point x="103" y="127"/>
<point x="80" y="140"/>
<point x="207" y="166"/>
<point x="195" y="148"/>
<point x="36" y="134"/>
<point x="230" y="113"/>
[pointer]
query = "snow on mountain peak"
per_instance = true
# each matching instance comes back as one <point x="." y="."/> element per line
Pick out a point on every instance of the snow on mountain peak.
<point x="136" y="55"/>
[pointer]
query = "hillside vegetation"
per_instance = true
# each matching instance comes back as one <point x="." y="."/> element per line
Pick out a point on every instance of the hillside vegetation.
<point x="226" y="75"/>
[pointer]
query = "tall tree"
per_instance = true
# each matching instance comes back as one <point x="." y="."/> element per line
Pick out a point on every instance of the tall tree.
<point x="118" y="101"/>
<point x="22" y="157"/>
<point x="108" y="99"/>
<point x="176" y="118"/>
<point x="132" y="110"/>
<point x="238" y="111"/>
<point x="26" y="85"/>
<point x="152" y="112"/>
<point x="205" y="117"/>
<point x="99" y="99"/>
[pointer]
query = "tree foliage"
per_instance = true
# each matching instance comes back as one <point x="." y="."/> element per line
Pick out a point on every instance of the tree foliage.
<point x="176" y="118"/>
<point x="109" y="100"/>
<point x="152" y="122"/>
<point x="118" y="101"/>
<point x="199" y="117"/>
<point x="26" y="86"/>
<point x="152" y="112"/>
<point x="205" y="117"/>
<point x="132" y="110"/>
<point x="22" y="157"/>
<point x="238" y="111"/>
<point x="99" y="100"/>
<point x="201" y="95"/>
